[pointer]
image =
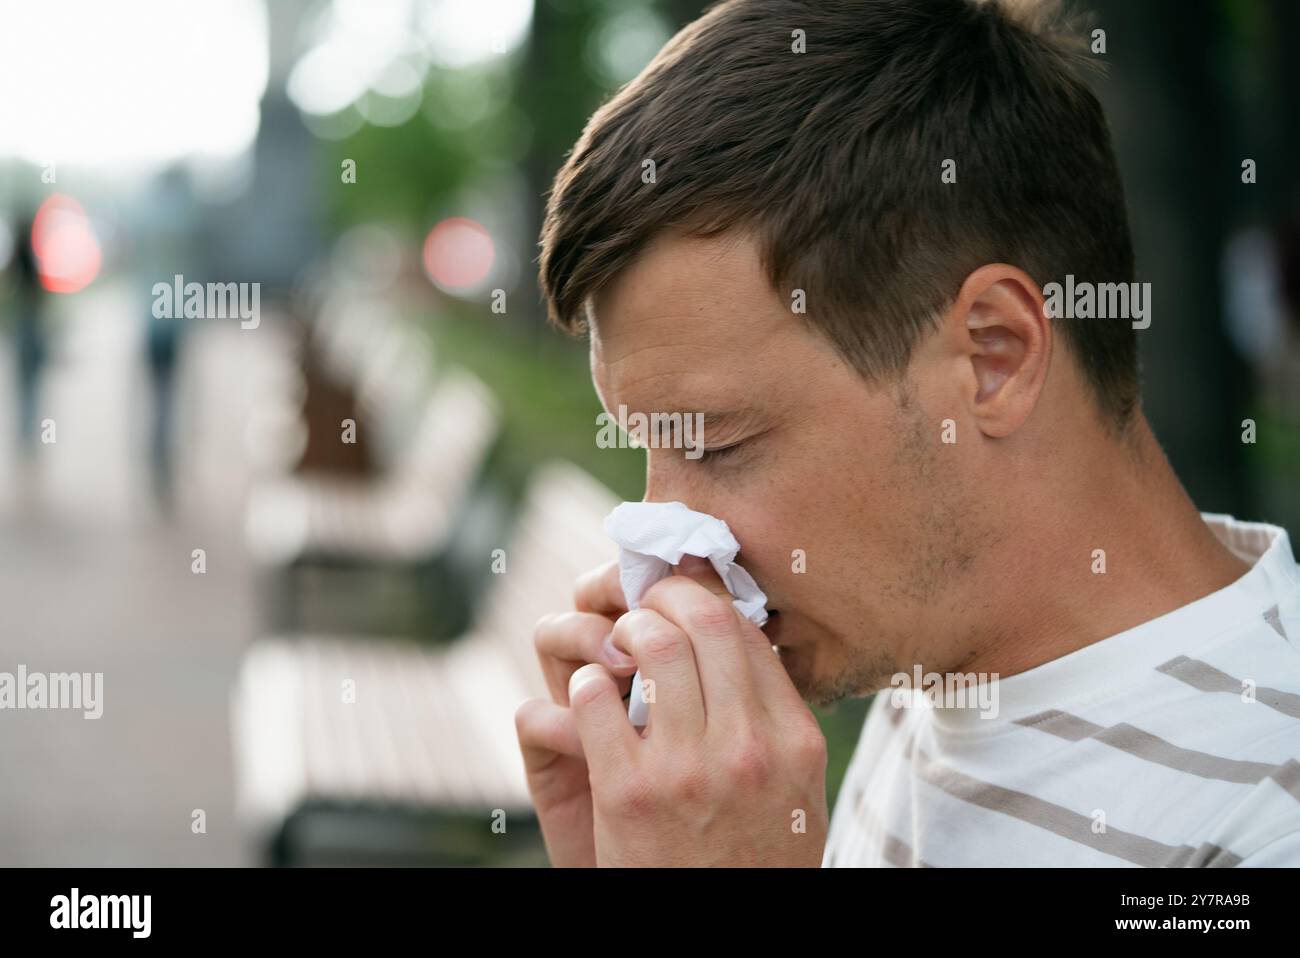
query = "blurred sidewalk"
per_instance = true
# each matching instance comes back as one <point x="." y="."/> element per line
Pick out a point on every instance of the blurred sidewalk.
<point x="94" y="579"/>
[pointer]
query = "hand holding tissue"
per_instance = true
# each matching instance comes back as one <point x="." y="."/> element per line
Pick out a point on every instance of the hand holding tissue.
<point x="652" y="537"/>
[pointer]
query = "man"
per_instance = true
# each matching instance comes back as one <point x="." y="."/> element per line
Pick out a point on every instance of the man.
<point x="840" y="257"/>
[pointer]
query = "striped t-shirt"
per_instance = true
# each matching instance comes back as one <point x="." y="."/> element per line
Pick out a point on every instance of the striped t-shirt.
<point x="1174" y="743"/>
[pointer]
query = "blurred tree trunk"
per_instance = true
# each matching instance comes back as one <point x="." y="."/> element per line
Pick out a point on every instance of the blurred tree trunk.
<point x="1168" y="113"/>
<point x="1272" y="102"/>
<point x="557" y="94"/>
<point x="539" y="165"/>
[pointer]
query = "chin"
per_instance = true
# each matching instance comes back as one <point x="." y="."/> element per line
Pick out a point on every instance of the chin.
<point x="798" y="663"/>
<point x="822" y="679"/>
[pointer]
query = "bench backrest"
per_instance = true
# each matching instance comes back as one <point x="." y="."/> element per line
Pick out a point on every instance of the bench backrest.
<point x="451" y="437"/>
<point x="559" y="535"/>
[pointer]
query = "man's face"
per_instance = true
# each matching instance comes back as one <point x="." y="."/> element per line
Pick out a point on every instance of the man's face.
<point x="848" y="516"/>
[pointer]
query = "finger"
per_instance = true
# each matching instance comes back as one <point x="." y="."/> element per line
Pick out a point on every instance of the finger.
<point x="774" y="686"/>
<point x="701" y="570"/>
<point x="569" y="640"/>
<point x="608" y="739"/>
<point x="599" y="591"/>
<point x="726" y="673"/>
<point x="669" y="674"/>
<point x="546" y="730"/>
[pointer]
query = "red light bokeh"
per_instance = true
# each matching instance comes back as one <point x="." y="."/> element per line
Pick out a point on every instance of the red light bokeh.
<point x="67" y="253"/>
<point x="458" y="254"/>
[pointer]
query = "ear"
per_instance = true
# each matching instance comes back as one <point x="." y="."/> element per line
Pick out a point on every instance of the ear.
<point x="1005" y="344"/>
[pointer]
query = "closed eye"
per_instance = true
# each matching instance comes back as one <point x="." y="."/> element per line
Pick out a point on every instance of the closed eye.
<point x="713" y="455"/>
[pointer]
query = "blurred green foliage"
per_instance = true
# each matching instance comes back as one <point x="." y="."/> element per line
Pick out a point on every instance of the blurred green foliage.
<point x="549" y="406"/>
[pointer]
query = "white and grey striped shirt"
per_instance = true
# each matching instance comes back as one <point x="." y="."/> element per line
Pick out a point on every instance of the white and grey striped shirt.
<point x="1174" y="743"/>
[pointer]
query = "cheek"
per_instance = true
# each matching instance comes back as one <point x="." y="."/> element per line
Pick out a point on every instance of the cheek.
<point x="822" y="541"/>
<point x="820" y="517"/>
<point x="780" y="549"/>
<point x="764" y="548"/>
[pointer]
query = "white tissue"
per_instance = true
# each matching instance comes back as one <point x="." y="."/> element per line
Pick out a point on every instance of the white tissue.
<point x="652" y="537"/>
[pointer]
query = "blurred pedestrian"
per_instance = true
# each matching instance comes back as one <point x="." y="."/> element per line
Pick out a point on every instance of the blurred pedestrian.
<point x="30" y="344"/>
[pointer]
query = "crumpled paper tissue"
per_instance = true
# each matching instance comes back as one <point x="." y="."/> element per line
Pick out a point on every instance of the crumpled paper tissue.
<point x="652" y="537"/>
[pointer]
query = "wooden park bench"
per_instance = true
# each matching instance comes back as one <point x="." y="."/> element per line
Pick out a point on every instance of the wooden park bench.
<point x="391" y="522"/>
<point x="388" y="363"/>
<point x="431" y="730"/>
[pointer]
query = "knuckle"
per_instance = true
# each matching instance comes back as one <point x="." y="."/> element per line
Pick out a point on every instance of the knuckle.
<point x="631" y="622"/>
<point x="525" y="716"/>
<point x="809" y="749"/>
<point x="543" y="627"/>
<point x="712" y="615"/>
<point x="634" y="797"/>
<point x="560" y="633"/>
<point x="659" y="643"/>
<point x="592" y="578"/>
<point x="688" y="783"/>
<point x="748" y="763"/>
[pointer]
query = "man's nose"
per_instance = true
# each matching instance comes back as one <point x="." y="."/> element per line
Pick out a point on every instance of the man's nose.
<point x="673" y="482"/>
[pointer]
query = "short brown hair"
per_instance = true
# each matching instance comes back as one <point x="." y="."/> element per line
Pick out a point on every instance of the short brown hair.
<point x="833" y="158"/>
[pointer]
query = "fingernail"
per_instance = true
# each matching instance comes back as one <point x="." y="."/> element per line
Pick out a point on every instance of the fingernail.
<point x="615" y="656"/>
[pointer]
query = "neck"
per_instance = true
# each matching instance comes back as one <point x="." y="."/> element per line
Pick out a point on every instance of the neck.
<point x="1119" y="497"/>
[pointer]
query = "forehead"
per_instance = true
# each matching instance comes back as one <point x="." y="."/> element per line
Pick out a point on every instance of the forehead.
<point x="690" y="313"/>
